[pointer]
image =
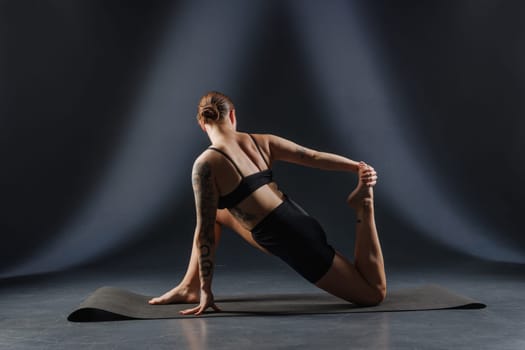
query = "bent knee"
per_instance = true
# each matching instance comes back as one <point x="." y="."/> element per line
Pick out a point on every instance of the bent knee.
<point x="374" y="298"/>
<point x="223" y="217"/>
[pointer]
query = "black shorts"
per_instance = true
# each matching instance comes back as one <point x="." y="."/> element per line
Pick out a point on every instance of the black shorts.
<point x="290" y="233"/>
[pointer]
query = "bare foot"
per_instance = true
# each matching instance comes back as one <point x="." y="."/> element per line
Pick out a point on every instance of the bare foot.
<point x="178" y="295"/>
<point x="362" y="196"/>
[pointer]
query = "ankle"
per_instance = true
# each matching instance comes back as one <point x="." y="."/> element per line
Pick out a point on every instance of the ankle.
<point x="189" y="286"/>
<point x="366" y="205"/>
<point x="364" y="213"/>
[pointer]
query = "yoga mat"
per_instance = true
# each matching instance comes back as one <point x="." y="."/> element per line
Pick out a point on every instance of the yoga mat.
<point x="109" y="303"/>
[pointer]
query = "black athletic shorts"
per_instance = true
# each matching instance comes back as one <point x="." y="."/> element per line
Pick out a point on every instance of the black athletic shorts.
<point x="290" y="233"/>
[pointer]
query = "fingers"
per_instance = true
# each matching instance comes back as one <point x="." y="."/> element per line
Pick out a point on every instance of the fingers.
<point x="190" y="311"/>
<point x="367" y="174"/>
<point x="371" y="184"/>
<point x="370" y="179"/>
<point x="202" y="309"/>
<point x="198" y="310"/>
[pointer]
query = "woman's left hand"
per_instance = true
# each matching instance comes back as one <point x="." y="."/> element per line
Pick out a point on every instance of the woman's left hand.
<point x="205" y="302"/>
<point x="367" y="174"/>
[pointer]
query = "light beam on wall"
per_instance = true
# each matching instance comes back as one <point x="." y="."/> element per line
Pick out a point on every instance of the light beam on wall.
<point x="202" y="50"/>
<point x="349" y="78"/>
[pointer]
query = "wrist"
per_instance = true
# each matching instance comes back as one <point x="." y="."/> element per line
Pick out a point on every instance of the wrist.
<point x="206" y="286"/>
<point x="354" y="167"/>
<point x="206" y="290"/>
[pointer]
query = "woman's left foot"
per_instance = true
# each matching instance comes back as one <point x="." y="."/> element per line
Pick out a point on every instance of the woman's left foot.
<point x="362" y="196"/>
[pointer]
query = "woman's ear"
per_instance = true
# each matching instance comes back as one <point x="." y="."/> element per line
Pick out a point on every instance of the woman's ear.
<point x="201" y="124"/>
<point x="233" y="118"/>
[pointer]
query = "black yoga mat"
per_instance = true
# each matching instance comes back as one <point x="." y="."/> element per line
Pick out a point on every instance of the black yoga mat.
<point x="109" y="303"/>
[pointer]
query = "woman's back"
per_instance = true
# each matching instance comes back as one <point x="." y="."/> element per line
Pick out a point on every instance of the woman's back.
<point x="243" y="177"/>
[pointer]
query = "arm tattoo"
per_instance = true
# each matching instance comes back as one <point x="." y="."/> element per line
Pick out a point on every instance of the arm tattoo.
<point x="205" y="251"/>
<point x="206" y="206"/>
<point x="206" y="268"/>
<point x="301" y="151"/>
<point x="242" y="215"/>
<point x="206" y="265"/>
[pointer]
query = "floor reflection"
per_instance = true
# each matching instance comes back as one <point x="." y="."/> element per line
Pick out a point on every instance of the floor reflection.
<point x="195" y="332"/>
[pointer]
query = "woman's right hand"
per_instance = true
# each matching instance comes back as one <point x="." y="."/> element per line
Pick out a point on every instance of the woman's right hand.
<point x="181" y="294"/>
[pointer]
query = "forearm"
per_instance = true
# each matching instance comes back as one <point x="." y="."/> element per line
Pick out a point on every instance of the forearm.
<point x="191" y="278"/>
<point x="205" y="244"/>
<point x="206" y="199"/>
<point x="330" y="161"/>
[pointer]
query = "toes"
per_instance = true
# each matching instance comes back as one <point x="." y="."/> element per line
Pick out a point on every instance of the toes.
<point x="156" y="301"/>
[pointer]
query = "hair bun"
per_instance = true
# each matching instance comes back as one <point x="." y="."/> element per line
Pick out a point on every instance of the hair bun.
<point x="214" y="106"/>
<point x="210" y="112"/>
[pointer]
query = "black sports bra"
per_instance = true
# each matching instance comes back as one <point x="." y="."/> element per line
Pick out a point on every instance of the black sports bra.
<point x="247" y="185"/>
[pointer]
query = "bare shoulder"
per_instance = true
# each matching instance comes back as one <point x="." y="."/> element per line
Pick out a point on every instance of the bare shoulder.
<point x="261" y="138"/>
<point x="268" y="140"/>
<point x="206" y="161"/>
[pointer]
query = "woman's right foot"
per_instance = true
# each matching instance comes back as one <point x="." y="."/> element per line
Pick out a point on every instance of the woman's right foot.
<point x="178" y="295"/>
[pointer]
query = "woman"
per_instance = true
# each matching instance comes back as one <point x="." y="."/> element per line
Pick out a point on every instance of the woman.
<point x="233" y="187"/>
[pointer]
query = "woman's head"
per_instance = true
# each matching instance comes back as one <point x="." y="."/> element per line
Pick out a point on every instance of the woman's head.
<point x="214" y="107"/>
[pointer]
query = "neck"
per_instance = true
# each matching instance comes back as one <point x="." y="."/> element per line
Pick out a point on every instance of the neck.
<point x="217" y="132"/>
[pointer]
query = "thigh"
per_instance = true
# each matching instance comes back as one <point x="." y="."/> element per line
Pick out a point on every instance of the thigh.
<point x="344" y="281"/>
<point x="224" y="217"/>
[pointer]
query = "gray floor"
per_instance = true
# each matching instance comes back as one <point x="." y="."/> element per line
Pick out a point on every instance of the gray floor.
<point x="34" y="310"/>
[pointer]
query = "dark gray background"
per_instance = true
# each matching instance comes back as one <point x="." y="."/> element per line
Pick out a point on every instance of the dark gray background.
<point x="98" y="131"/>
